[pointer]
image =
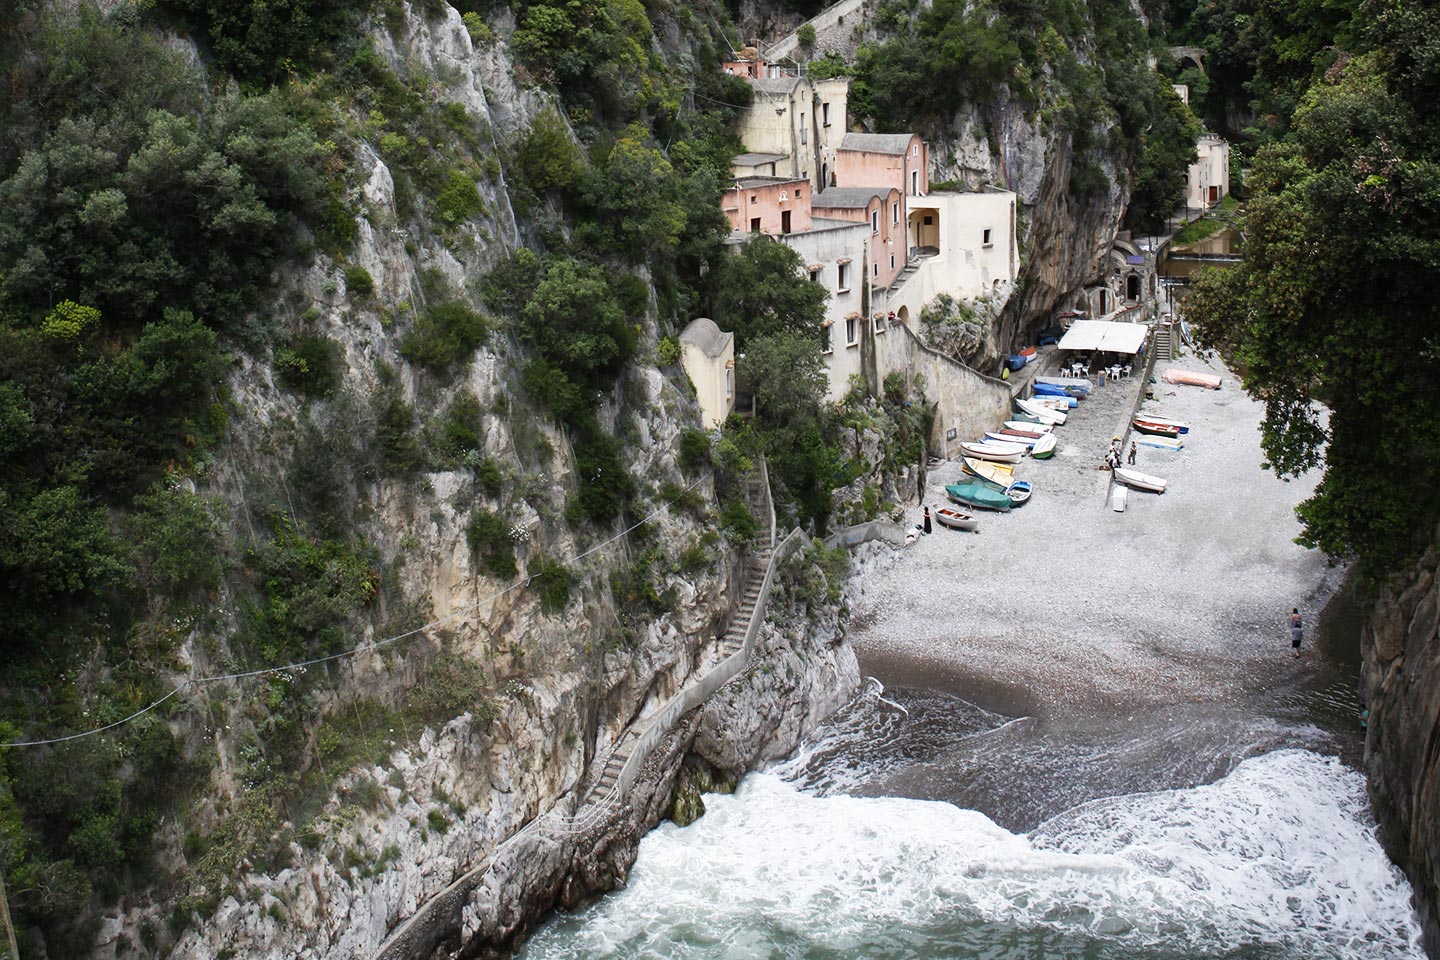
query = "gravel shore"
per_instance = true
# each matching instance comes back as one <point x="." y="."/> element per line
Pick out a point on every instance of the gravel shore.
<point x="1070" y="606"/>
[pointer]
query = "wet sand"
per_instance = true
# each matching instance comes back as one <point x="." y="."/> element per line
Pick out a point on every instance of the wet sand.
<point x="1064" y="608"/>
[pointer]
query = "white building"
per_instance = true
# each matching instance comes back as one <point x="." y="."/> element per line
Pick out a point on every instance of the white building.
<point x="708" y="355"/>
<point x="1209" y="177"/>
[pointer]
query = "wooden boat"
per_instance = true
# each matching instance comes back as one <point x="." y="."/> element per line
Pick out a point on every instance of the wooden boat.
<point x="1028" y="426"/>
<point x="956" y="520"/>
<point x="1155" y="429"/>
<point x="1018" y="492"/>
<point x="1050" y="390"/>
<point x="1029" y="422"/>
<point x="997" y="452"/>
<point x="978" y="495"/>
<point x="1118" y="496"/>
<point x="1163" y="443"/>
<point x="1176" y="375"/>
<point x="1000" y="474"/>
<point x="1044" y="413"/>
<point x="1140" y="481"/>
<point x="1044" y="448"/>
<point x="1009" y="439"/>
<point x="1180" y="425"/>
<point x="1061" y="402"/>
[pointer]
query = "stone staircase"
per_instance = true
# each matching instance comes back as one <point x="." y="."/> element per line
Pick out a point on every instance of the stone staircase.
<point x="912" y="266"/>
<point x="731" y="642"/>
<point x="1163" y="343"/>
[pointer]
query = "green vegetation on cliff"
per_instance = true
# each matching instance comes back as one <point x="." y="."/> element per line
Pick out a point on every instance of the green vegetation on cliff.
<point x="1335" y="302"/>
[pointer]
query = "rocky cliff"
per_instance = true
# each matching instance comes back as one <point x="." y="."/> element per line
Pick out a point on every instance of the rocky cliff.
<point x="1401" y="684"/>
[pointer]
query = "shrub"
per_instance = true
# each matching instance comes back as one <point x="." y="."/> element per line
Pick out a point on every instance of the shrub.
<point x="551" y="581"/>
<point x="806" y="36"/>
<point x="694" y="449"/>
<point x="668" y="351"/>
<point x="443" y="334"/>
<point x="489" y="477"/>
<point x="480" y="33"/>
<point x="395" y="434"/>
<point x="358" y="282"/>
<point x="489" y="539"/>
<point x="310" y="365"/>
<point x="738" y="522"/>
<point x="459" y="431"/>
<point x="459" y="200"/>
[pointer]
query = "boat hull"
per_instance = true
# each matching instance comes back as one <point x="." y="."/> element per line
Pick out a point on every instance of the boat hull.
<point x="976" y="495"/>
<point x="1210" y="381"/>
<point x="1140" y="481"/>
<point x="956" y="520"/>
<point x="999" y="452"/>
<point x="1044" y="448"/>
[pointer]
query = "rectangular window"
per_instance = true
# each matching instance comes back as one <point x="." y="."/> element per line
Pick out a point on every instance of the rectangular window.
<point x="895" y="212"/>
<point x="784" y="221"/>
<point x="914" y="149"/>
<point x="879" y="323"/>
<point x="842" y="283"/>
<point x="825" y="345"/>
<point x="915" y="183"/>
<point x="814" y="276"/>
<point x="729" y="383"/>
<point x="874" y="269"/>
<point x="874" y="221"/>
<point x="892" y="261"/>
<point x="986" y="238"/>
<point x="825" y="114"/>
<point x="851" y="332"/>
<point x="754" y="224"/>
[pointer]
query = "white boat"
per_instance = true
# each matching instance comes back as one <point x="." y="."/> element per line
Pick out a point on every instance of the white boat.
<point x="1027" y="427"/>
<point x="1163" y="443"/>
<point x="995" y="436"/>
<point x="956" y="520"/>
<point x="1076" y="382"/>
<point x="1055" y="403"/>
<point x="1118" y="497"/>
<point x="1043" y="447"/>
<point x="1045" y="414"/>
<point x="998" y="452"/>
<point x="1140" y="481"/>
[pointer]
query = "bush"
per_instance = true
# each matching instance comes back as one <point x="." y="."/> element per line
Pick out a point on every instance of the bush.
<point x="806" y="36"/>
<point x="444" y="334"/>
<point x="459" y="200"/>
<point x="396" y="436"/>
<point x="667" y="351"/>
<point x="551" y="580"/>
<point x="310" y="365"/>
<point x="489" y="477"/>
<point x="358" y="282"/>
<point x="738" y="522"/>
<point x="694" y="449"/>
<point x="489" y="539"/>
<point x="459" y="430"/>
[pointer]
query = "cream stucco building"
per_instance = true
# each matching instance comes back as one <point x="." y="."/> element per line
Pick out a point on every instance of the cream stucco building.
<point x="708" y="355"/>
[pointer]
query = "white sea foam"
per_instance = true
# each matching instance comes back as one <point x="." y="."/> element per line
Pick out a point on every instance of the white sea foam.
<point x="1279" y="857"/>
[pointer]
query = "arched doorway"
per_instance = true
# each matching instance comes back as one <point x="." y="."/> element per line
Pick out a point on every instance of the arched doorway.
<point x="1132" y="287"/>
<point x="903" y="315"/>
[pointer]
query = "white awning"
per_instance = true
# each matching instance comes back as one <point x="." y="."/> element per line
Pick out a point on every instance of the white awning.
<point x="1105" y="335"/>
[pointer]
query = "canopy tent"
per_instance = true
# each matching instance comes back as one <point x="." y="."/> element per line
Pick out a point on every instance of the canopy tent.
<point x="1105" y="335"/>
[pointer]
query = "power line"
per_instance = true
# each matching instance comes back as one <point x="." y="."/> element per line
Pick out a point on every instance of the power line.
<point x="367" y="648"/>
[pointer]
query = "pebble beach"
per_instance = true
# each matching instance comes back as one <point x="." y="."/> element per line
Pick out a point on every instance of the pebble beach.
<point x="1066" y="606"/>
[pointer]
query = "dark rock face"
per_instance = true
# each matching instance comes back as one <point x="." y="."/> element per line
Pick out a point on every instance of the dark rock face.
<point x="1402" y="689"/>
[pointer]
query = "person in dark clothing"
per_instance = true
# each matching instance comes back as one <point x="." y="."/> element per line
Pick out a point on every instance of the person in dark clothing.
<point x="927" y="518"/>
<point x="1297" y="633"/>
<point x="1132" y="453"/>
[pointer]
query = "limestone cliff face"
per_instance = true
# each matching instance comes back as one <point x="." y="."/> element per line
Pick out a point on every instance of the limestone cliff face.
<point x="1401" y="648"/>
<point x="559" y="686"/>
<point x="1064" y="238"/>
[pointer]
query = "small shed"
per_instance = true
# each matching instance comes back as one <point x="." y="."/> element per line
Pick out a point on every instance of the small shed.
<point x="708" y="356"/>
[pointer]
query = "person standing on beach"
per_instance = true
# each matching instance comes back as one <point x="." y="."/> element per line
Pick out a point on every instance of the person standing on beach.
<point x="1132" y="453"/>
<point x="1297" y="633"/>
<point x="927" y="518"/>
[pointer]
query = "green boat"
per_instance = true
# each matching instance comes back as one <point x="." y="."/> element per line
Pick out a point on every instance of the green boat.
<point x="978" y="495"/>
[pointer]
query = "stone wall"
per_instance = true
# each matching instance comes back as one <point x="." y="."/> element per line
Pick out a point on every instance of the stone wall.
<point x="1401" y="678"/>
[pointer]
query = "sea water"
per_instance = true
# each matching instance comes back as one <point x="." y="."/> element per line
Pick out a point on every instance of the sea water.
<point x="1275" y="857"/>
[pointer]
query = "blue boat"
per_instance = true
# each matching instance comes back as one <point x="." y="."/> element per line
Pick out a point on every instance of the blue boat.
<point x="1056" y="390"/>
<point x="1018" y="492"/>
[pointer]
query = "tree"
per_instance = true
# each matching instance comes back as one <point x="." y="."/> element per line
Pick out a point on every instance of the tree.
<point x="1335" y="304"/>
<point x="760" y="291"/>
<point x="1167" y="150"/>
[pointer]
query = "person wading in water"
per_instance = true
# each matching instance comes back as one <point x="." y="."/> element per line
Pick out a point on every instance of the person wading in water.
<point x="1296" y="632"/>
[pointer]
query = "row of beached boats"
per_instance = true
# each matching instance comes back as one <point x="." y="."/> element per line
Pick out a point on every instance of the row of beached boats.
<point x="989" y="462"/>
<point x="1150" y="431"/>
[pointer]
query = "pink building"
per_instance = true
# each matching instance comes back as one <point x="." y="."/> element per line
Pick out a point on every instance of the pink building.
<point x="769" y="205"/>
<point x="899" y="160"/>
<point x="884" y="209"/>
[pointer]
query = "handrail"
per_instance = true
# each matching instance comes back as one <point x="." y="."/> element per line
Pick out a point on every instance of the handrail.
<point x="769" y="497"/>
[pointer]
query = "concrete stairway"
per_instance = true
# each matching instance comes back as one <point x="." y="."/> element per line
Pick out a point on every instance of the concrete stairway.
<point x="1164" y="348"/>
